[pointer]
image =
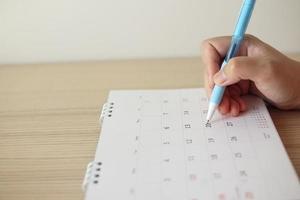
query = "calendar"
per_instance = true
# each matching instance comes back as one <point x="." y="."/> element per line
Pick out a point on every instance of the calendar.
<point x="156" y="145"/>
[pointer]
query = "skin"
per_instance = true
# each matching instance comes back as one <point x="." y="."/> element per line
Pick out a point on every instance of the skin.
<point x="258" y="69"/>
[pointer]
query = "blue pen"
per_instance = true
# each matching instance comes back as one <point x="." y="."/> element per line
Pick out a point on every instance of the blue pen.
<point x="237" y="38"/>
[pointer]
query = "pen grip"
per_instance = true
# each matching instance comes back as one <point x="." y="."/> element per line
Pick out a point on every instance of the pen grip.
<point x="218" y="91"/>
<point x="217" y="94"/>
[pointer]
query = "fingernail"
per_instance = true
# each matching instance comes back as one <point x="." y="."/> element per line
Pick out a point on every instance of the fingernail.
<point x="220" y="77"/>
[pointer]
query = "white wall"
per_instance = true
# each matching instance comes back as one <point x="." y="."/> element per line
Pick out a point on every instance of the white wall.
<point x="70" y="30"/>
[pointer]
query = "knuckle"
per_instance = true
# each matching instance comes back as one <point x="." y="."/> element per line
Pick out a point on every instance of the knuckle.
<point x="204" y="43"/>
<point x="207" y="42"/>
<point x="249" y="37"/>
<point x="233" y="65"/>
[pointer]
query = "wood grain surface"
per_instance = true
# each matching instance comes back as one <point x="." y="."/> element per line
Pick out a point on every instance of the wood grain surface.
<point x="49" y="119"/>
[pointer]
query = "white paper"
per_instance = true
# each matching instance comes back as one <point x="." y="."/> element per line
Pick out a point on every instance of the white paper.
<point x="156" y="146"/>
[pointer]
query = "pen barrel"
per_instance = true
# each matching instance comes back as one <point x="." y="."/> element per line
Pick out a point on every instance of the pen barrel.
<point x="238" y="36"/>
<point x="233" y="49"/>
<point x="244" y="18"/>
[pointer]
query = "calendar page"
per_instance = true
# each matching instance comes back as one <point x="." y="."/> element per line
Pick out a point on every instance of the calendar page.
<point x="156" y="145"/>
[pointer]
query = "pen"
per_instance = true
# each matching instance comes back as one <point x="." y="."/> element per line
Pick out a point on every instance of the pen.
<point x="237" y="38"/>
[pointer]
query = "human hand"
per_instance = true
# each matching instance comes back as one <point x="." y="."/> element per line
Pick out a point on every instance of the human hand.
<point x="258" y="69"/>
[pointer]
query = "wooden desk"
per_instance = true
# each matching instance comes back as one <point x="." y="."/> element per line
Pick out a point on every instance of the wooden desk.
<point x="49" y="119"/>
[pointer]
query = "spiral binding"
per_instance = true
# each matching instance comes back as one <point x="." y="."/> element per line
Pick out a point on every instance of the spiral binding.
<point x="103" y="112"/>
<point x="87" y="176"/>
<point x="92" y="174"/>
<point x="107" y="110"/>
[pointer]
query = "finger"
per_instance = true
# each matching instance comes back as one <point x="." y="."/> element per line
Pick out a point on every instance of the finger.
<point x="215" y="49"/>
<point x="244" y="86"/>
<point x="235" y="92"/>
<point x="224" y="105"/>
<point x="219" y="45"/>
<point x="241" y="102"/>
<point x="239" y="68"/>
<point x="234" y="107"/>
<point x="213" y="52"/>
<point x="208" y="88"/>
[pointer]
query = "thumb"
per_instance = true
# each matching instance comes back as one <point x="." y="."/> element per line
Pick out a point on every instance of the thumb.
<point x="238" y="68"/>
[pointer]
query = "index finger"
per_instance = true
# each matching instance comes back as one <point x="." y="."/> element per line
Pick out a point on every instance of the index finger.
<point x="213" y="52"/>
